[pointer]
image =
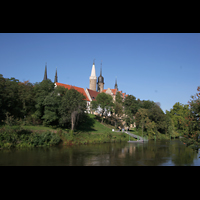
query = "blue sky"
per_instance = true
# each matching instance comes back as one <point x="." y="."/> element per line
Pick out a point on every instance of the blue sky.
<point x="162" y="67"/>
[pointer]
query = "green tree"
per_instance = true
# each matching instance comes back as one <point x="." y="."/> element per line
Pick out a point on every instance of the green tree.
<point x="71" y="108"/>
<point x="131" y="106"/>
<point x="191" y="134"/>
<point x="156" y="114"/>
<point x="10" y="98"/>
<point x="142" y="118"/>
<point x="2" y="97"/>
<point x="118" y="109"/>
<point x="178" y="114"/>
<point x="26" y="96"/>
<point x="41" y="91"/>
<point x="104" y="102"/>
<point x="52" y="103"/>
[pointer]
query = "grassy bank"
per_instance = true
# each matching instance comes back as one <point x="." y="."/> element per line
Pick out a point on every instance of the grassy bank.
<point x="157" y="136"/>
<point x="39" y="136"/>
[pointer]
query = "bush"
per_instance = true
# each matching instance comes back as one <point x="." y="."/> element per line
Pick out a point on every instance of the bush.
<point x="24" y="138"/>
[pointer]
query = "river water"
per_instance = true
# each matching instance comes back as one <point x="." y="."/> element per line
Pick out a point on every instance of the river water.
<point x="151" y="153"/>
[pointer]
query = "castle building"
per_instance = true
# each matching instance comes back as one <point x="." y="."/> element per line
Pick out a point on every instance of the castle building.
<point x="95" y="86"/>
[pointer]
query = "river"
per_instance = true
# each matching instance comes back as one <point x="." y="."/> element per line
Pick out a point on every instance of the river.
<point x="151" y="153"/>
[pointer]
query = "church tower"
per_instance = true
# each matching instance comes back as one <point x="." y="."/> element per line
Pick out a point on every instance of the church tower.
<point x="56" y="77"/>
<point x="100" y="83"/>
<point x="45" y="73"/>
<point x="116" y="87"/>
<point x="93" y="78"/>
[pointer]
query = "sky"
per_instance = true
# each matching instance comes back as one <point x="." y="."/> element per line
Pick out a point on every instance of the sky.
<point x="161" y="67"/>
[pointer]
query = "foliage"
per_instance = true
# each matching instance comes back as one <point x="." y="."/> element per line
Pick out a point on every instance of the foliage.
<point x="178" y="114"/>
<point x="42" y="90"/>
<point x="156" y="115"/>
<point x="71" y="108"/>
<point x="104" y="101"/>
<point x="191" y="134"/>
<point x="131" y="105"/>
<point x="118" y="110"/>
<point x="25" y="138"/>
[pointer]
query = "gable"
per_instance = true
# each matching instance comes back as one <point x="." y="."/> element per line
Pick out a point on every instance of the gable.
<point x="93" y="94"/>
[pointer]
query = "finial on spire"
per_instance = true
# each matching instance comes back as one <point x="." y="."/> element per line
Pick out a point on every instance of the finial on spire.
<point x="94" y="61"/>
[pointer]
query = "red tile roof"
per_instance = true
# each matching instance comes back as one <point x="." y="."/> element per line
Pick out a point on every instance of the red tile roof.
<point x="81" y="90"/>
<point x="113" y="91"/>
<point x="93" y="94"/>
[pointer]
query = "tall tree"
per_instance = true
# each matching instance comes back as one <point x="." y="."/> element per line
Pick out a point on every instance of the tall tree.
<point x="52" y="103"/>
<point x="41" y="91"/>
<point x="71" y="108"/>
<point x="26" y="96"/>
<point x="178" y="114"/>
<point x="191" y="134"/>
<point x="131" y="106"/>
<point x="118" y="109"/>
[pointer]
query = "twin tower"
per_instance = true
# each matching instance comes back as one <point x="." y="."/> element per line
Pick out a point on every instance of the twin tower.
<point x="94" y="85"/>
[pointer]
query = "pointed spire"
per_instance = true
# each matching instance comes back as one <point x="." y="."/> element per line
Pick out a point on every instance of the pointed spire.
<point x="116" y="87"/>
<point x="56" y="77"/>
<point x="93" y="72"/>
<point x="45" y="73"/>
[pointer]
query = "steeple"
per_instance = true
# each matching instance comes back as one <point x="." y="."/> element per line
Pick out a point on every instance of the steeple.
<point x="93" y="78"/>
<point x="56" y="77"/>
<point x="100" y="83"/>
<point x="93" y="72"/>
<point x="45" y="73"/>
<point x="116" y="87"/>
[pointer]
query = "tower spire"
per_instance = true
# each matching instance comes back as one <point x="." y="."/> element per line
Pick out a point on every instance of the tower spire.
<point x="93" y="78"/>
<point x="45" y="73"/>
<point x="100" y="83"/>
<point x="116" y="87"/>
<point x="56" y="77"/>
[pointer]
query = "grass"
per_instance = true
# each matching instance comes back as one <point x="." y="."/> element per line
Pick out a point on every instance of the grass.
<point x="94" y="132"/>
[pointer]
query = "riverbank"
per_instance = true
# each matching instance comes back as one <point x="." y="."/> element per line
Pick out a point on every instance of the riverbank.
<point x="40" y="136"/>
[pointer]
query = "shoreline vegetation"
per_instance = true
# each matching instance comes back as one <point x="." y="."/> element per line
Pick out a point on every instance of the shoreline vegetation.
<point x="40" y="136"/>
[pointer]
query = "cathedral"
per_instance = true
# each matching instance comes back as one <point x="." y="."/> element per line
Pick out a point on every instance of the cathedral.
<point x="95" y="86"/>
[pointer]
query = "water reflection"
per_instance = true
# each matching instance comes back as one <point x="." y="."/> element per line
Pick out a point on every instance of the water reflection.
<point x="151" y="153"/>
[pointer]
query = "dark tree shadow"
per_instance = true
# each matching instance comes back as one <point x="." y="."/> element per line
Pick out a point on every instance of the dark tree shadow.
<point x="86" y="123"/>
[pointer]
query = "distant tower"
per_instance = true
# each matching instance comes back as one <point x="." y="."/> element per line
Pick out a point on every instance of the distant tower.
<point x="116" y="87"/>
<point x="100" y="83"/>
<point x="56" y="77"/>
<point x="45" y="73"/>
<point x="93" y="78"/>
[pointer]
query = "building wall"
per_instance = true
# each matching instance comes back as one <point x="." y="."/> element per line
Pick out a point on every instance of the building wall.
<point x="101" y="87"/>
<point x="93" y="83"/>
